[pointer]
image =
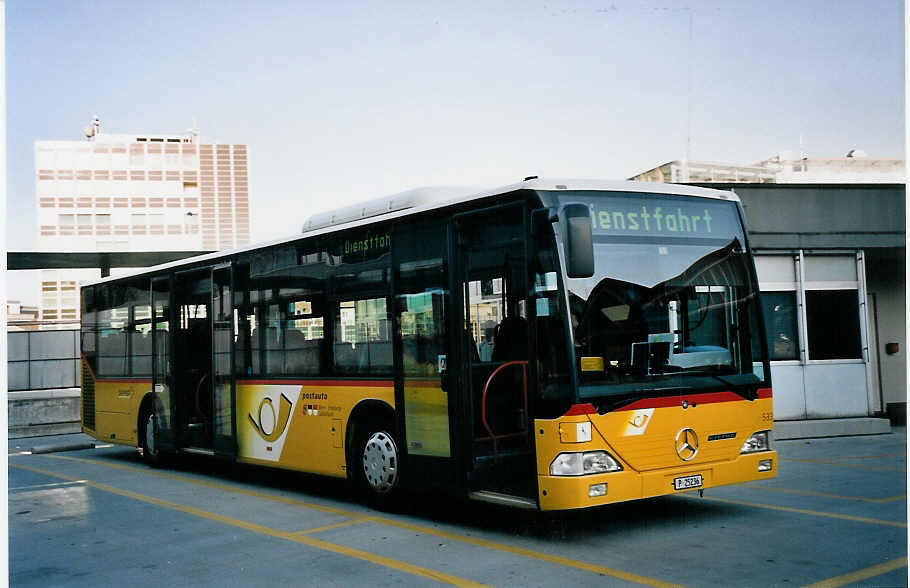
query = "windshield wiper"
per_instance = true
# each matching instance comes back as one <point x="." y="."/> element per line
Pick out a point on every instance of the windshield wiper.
<point x="743" y="389"/>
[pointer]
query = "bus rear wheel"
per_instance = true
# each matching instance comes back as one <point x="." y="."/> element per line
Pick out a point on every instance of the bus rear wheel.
<point x="378" y="466"/>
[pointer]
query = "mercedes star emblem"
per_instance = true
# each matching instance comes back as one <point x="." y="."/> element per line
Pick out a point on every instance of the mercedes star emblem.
<point x="686" y="444"/>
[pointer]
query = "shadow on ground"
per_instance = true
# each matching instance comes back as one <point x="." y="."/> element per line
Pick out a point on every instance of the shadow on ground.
<point x="436" y="508"/>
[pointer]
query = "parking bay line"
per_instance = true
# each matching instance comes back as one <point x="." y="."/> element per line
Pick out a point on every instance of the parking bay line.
<point x="826" y="495"/>
<point x="816" y="513"/>
<point x="856" y="466"/>
<point x="848" y="457"/>
<point x="309" y="541"/>
<point x="346" y="523"/>
<point x="860" y="575"/>
<point x="452" y="536"/>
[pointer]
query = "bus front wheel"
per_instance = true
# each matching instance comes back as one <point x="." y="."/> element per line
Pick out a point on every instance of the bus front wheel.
<point x="149" y="439"/>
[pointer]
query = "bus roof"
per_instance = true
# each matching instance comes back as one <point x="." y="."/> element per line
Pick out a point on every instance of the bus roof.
<point x="429" y="198"/>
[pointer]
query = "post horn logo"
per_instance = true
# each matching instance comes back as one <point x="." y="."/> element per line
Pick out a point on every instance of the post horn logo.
<point x="269" y="425"/>
<point x="686" y="444"/>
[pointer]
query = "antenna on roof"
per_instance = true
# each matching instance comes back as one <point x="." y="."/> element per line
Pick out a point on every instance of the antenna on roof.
<point x="93" y="129"/>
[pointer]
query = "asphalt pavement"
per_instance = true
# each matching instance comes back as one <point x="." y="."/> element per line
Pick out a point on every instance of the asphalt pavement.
<point x="80" y="515"/>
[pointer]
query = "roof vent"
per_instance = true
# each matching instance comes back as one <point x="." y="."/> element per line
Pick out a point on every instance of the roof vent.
<point x="385" y="205"/>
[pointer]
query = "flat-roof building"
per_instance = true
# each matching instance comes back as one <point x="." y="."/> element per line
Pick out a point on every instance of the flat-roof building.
<point x="135" y="192"/>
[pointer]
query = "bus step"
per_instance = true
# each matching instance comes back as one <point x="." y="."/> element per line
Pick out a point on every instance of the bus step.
<point x="503" y="499"/>
<point x="503" y="455"/>
<point x="198" y="451"/>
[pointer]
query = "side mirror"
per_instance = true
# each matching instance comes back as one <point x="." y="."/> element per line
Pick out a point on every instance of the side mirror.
<point x="579" y="240"/>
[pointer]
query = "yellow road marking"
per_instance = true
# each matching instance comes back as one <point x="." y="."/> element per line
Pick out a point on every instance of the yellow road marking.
<point x="860" y="575"/>
<point x="835" y="463"/>
<point x="879" y="456"/>
<point x="816" y="513"/>
<point x="207" y="484"/>
<point x="324" y="545"/>
<point x="330" y="527"/>
<point x="826" y="495"/>
<point x="563" y="561"/>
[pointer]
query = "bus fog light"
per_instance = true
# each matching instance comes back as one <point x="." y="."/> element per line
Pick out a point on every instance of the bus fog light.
<point x="760" y="441"/>
<point x="764" y="465"/>
<point x="595" y="490"/>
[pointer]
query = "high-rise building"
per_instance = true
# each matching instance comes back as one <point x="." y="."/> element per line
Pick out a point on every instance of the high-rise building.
<point x="137" y="192"/>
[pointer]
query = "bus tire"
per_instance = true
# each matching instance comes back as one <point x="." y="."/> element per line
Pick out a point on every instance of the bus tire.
<point x="149" y="438"/>
<point x="377" y="464"/>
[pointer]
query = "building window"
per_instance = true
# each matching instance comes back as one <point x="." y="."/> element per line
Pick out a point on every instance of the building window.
<point x="832" y="322"/>
<point x="138" y="221"/>
<point x="85" y="224"/>
<point x="103" y="224"/>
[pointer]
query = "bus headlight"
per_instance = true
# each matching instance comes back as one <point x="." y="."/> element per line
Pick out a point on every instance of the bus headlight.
<point x="579" y="464"/>
<point x="760" y="441"/>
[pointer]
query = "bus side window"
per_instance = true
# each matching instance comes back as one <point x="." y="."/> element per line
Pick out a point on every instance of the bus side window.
<point x="363" y="337"/>
<point x="304" y="337"/>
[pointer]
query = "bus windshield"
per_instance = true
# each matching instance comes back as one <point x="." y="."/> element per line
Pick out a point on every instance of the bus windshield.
<point x="672" y="300"/>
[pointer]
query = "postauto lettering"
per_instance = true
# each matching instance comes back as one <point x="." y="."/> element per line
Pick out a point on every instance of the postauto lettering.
<point x="661" y="217"/>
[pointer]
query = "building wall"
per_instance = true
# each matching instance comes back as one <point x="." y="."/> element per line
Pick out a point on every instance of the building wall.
<point x="824" y="216"/>
<point x="827" y="220"/>
<point x="887" y="289"/>
<point x="225" y="196"/>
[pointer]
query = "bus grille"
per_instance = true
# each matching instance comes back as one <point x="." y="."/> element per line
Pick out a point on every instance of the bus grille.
<point x="88" y="398"/>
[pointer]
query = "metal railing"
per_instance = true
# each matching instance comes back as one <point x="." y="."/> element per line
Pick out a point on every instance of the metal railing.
<point x="483" y="405"/>
<point x="42" y="360"/>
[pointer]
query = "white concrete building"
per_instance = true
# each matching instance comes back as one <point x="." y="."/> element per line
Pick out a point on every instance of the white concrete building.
<point x="135" y="192"/>
<point x="854" y="168"/>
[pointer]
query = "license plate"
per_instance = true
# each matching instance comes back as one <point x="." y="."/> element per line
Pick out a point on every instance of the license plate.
<point x="687" y="482"/>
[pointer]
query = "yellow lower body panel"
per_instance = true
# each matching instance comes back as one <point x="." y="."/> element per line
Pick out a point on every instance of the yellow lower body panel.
<point x="571" y="492"/>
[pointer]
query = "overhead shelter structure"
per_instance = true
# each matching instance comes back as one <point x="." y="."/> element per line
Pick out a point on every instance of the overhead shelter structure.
<point x="102" y="260"/>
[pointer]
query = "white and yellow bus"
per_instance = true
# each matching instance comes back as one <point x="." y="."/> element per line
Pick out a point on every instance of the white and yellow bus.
<point x="549" y="345"/>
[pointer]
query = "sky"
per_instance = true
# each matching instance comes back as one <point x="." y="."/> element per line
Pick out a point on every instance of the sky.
<point x="345" y="101"/>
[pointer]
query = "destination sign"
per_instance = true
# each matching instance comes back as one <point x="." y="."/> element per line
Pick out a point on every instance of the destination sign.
<point x="657" y="215"/>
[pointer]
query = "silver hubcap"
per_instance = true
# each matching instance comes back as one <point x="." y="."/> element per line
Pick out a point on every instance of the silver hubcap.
<point x="150" y="435"/>
<point x="380" y="462"/>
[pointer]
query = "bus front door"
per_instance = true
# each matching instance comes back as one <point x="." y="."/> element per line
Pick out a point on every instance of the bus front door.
<point x="495" y="351"/>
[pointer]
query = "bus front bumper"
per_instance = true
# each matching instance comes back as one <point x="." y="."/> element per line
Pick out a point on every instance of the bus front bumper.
<point x="571" y="492"/>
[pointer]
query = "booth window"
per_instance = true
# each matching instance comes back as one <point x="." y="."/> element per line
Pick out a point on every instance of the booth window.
<point x="832" y="323"/>
<point x="780" y="311"/>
